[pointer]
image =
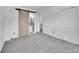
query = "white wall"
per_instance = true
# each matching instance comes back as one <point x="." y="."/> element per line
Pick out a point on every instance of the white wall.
<point x="63" y="24"/>
<point x="11" y="23"/>
<point x="1" y="27"/>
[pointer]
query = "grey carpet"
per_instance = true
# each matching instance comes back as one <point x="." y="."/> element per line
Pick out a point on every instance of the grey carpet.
<point x="39" y="43"/>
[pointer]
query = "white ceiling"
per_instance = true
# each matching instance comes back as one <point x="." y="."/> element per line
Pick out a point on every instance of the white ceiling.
<point x="43" y="9"/>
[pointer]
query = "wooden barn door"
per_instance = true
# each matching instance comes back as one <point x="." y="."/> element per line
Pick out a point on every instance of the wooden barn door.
<point x="23" y="23"/>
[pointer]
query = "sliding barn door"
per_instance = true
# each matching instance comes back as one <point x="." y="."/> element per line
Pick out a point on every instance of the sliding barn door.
<point x="23" y="23"/>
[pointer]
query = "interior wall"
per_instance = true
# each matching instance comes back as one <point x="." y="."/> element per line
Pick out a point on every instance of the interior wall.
<point x="11" y="22"/>
<point x="63" y="24"/>
<point x="2" y="40"/>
